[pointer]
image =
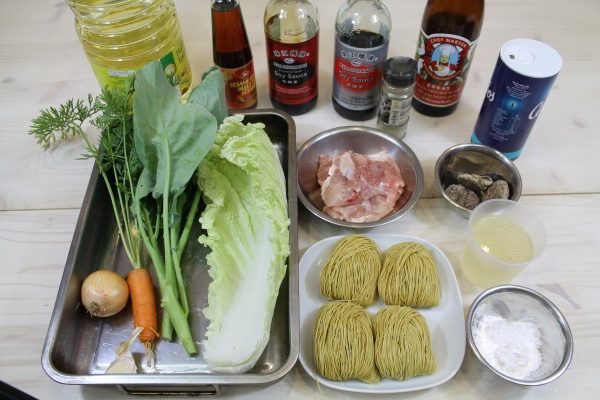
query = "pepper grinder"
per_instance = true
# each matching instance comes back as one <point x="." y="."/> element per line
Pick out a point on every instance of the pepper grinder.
<point x="396" y="97"/>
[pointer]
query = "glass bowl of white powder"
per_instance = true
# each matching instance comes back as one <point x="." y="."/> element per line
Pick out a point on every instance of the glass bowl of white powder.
<point x="519" y="335"/>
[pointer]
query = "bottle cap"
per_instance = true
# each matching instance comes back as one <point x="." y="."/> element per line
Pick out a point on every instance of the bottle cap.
<point x="531" y="58"/>
<point x="400" y="71"/>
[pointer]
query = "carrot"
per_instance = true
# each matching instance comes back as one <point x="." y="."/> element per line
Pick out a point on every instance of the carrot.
<point x="143" y="303"/>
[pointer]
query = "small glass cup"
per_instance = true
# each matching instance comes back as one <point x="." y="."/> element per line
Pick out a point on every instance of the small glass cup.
<point x="485" y="270"/>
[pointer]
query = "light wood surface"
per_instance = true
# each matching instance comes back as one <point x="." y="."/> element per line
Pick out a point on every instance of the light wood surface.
<point x="35" y="246"/>
<point x="42" y="64"/>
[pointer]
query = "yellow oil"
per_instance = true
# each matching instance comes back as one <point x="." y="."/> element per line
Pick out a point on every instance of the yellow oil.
<point x="504" y="240"/>
<point x="121" y="36"/>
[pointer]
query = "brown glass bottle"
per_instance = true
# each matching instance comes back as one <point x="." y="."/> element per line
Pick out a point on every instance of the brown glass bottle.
<point x="231" y="52"/>
<point x="447" y="41"/>
<point x="292" y="42"/>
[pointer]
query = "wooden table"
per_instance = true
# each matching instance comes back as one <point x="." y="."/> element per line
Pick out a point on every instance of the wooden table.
<point x="42" y="64"/>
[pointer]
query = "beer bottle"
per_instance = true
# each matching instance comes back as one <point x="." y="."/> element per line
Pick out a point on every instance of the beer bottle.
<point x="231" y="52"/>
<point x="292" y="37"/>
<point x="362" y="34"/>
<point x="447" y="41"/>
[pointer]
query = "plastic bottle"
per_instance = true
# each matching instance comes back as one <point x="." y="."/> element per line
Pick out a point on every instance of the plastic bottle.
<point x="121" y="36"/>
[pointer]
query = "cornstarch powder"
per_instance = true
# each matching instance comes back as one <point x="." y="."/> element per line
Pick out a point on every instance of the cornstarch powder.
<point x="511" y="347"/>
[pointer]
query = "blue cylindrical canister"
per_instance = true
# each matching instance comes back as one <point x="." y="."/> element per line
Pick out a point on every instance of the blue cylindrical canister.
<point x="522" y="79"/>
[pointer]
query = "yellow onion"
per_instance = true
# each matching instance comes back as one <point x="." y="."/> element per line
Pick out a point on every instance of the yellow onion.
<point x="104" y="293"/>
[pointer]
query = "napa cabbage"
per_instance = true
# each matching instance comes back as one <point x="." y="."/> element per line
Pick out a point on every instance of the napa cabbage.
<point x="247" y="230"/>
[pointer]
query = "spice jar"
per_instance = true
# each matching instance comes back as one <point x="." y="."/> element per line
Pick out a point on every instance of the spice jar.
<point x="396" y="96"/>
<point x="121" y="36"/>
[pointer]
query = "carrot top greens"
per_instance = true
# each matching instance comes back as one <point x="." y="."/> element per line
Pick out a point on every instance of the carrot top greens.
<point x="120" y="167"/>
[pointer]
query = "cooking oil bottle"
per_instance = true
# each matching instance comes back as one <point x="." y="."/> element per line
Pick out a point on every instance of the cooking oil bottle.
<point x="121" y="36"/>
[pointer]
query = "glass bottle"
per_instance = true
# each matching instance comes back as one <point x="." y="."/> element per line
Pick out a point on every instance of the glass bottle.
<point x="449" y="33"/>
<point x="231" y="52"/>
<point x="292" y="38"/>
<point x="396" y="95"/>
<point x="121" y="36"/>
<point x="362" y="33"/>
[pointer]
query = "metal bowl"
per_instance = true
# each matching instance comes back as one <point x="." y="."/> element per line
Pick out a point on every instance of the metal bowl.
<point x="475" y="159"/>
<point x="363" y="140"/>
<point x="520" y="303"/>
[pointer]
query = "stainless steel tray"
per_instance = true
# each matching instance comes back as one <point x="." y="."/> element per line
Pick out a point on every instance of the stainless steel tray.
<point x="79" y="347"/>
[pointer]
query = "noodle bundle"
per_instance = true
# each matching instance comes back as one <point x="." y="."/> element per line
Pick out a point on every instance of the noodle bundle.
<point x="402" y="343"/>
<point x="351" y="271"/>
<point x="343" y="343"/>
<point x="409" y="277"/>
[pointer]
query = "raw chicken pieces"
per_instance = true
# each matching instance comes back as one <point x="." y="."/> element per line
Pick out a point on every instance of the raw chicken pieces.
<point x="358" y="188"/>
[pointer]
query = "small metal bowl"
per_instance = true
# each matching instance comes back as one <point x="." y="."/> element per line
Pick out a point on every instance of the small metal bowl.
<point x="475" y="159"/>
<point x="362" y="140"/>
<point x="514" y="302"/>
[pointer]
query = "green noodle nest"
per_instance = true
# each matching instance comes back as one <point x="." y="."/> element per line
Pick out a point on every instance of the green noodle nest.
<point x="351" y="271"/>
<point x="343" y="343"/>
<point x="402" y="343"/>
<point x="409" y="277"/>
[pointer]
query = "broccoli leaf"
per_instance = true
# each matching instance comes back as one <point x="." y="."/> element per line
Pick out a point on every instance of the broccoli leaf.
<point x="171" y="138"/>
<point x="204" y="94"/>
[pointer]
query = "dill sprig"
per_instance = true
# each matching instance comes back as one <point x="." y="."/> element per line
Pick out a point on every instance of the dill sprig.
<point x="111" y="113"/>
<point x="65" y="121"/>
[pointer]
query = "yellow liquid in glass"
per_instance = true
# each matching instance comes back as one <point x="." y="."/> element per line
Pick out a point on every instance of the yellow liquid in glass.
<point x="504" y="240"/>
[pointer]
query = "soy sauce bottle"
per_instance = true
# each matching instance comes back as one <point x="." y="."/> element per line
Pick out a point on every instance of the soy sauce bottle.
<point x="449" y="34"/>
<point x="292" y="38"/>
<point x="362" y="32"/>
<point x="231" y="52"/>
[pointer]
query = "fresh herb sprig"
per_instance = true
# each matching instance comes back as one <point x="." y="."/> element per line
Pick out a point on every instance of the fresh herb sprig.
<point x="112" y="113"/>
<point x="63" y="122"/>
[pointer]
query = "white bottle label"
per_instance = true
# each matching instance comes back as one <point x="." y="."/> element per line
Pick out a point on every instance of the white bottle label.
<point x="394" y="112"/>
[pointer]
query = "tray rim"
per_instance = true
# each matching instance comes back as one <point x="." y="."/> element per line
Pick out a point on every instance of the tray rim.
<point x="186" y="379"/>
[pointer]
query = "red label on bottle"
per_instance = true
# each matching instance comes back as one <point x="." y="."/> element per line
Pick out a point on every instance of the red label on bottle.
<point x="437" y="94"/>
<point x="293" y="70"/>
<point x="356" y="78"/>
<point x="240" y="86"/>
<point x="443" y="63"/>
<point x="357" y="75"/>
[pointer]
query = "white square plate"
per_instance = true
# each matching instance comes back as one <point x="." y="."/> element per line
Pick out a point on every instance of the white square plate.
<point x="446" y="322"/>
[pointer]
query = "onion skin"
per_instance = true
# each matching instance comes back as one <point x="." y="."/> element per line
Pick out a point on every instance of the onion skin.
<point x="104" y="293"/>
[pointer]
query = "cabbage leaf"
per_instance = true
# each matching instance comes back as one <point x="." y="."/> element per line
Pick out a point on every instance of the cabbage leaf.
<point x="246" y="223"/>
